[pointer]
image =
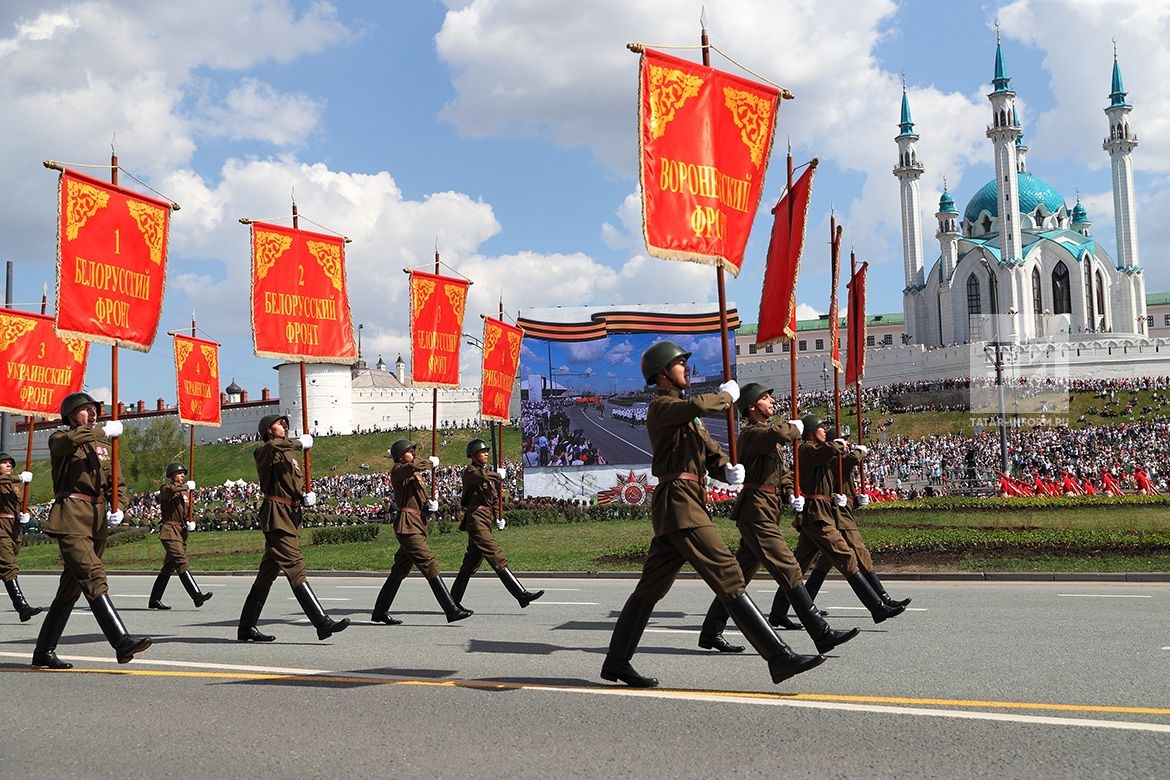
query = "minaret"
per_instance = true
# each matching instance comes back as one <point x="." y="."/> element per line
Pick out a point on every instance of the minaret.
<point x="907" y="171"/>
<point x="1080" y="219"/>
<point x="948" y="245"/>
<point x="1003" y="133"/>
<point x="1119" y="145"/>
<point x="1021" y="149"/>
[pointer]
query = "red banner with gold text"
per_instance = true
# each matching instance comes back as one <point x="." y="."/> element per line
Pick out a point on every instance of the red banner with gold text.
<point x="501" y="358"/>
<point x="197" y="380"/>
<point x="705" y="139"/>
<point x="436" y="328"/>
<point x="111" y="262"/>
<point x="855" y="328"/>
<point x="40" y="368"/>
<point x="300" y="303"/>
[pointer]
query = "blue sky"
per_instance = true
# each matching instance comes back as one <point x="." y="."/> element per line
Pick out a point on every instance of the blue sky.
<point x="504" y="131"/>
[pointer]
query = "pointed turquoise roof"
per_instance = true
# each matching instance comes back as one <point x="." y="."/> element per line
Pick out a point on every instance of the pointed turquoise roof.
<point x="906" y="126"/>
<point x="946" y="204"/>
<point x="1079" y="214"/>
<point x="1001" y="78"/>
<point x="1117" y="96"/>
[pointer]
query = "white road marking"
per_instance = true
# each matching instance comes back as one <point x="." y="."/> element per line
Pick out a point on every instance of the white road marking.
<point x="1102" y="596"/>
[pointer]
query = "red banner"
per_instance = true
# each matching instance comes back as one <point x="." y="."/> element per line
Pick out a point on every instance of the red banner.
<point x="778" y="299"/>
<point x="436" y="328"/>
<point x="40" y="368"/>
<point x="197" y="380"/>
<point x="834" y="310"/>
<point x="705" y="139"/>
<point x="855" y="360"/>
<point x="501" y="358"/>
<point x="300" y="303"/>
<point x="111" y="262"/>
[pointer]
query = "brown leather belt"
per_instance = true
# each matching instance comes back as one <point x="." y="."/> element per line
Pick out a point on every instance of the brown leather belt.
<point x="762" y="488"/>
<point x="7" y="517"/>
<point x="82" y="496"/>
<point x="686" y="476"/>
<point x="279" y="500"/>
<point x="817" y="495"/>
<point x="409" y="510"/>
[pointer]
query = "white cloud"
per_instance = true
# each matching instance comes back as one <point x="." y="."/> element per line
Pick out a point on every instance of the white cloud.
<point x="254" y="110"/>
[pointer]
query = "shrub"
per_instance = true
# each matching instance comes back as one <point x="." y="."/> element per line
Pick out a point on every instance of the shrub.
<point x="346" y="534"/>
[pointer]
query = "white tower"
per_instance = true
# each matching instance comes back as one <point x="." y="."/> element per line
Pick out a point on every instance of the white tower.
<point x="1003" y="133"/>
<point x="908" y="170"/>
<point x="1120" y="145"/>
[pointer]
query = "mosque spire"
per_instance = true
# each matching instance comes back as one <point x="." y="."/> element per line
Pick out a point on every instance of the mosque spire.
<point x="1117" y="96"/>
<point x="1001" y="80"/>
<point x="906" y="126"/>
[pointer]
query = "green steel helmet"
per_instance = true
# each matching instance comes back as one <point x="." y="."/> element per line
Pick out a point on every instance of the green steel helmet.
<point x="811" y="423"/>
<point x="75" y="401"/>
<point x="400" y="448"/>
<point x="749" y="394"/>
<point x="175" y="468"/>
<point x="4" y="456"/>
<point x="477" y="445"/>
<point x="266" y="422"/>
<point x="659" y="356"/>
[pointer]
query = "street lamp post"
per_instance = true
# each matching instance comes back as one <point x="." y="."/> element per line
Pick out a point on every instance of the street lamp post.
<point x="409" y="420"/>
<point x="1003" y="447"/>
<point x="825" y="376"/>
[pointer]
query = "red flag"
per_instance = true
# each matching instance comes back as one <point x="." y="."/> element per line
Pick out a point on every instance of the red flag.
<point x="40" y="368"/>
<point x="778" y="301"/>
<point x="501" y="357"/>
<point x="197" y="379"/>
<point x="834" y="315"/>
<point x="705" y="139"/>
<point x="111" y="262"/>
<point x="855" y="328"/>
<point x="436" y="328"/>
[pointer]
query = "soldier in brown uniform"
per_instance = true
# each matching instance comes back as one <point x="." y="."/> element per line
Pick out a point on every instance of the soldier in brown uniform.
<point x="83" y="488"/>
<point x="757" y="512"/>
<point x="683" y="455"/>
<point x="818" y="522"/>
<point x="282" y="481"/>
<point x="12" y="522"/>
<point x="172" y="532"/>
<point x="480" y="486"/>
<point x="410" y="493"/>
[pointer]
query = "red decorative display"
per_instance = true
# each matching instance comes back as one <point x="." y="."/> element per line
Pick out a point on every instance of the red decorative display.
<point x="436" y="328"/>
<point x="197" y="379"/>
<point x="501" y="358"/>
<point x="40" y="368"/>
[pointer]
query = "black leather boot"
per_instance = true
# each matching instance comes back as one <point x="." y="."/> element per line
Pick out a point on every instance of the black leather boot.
<point x="813" y="583"/>
<point x="326" y="627"/>
<point x="381" y="613"/>
<point x="446" y="601"/>
<point x="192" y="588"/>
<point x="824" y="637"/>
<point x="783" y="662"/>
<point x="156" y="593"/>
<point x="778" y="616"/>
<point x="459" y="586"/>
<point x="523" y="596"/>
<point x="711" y="634"/>
<point x="626" y="635"/>
<point x="52" y="627"/>
<point x="876" y="584"/>
<point x="18" y="601"/>
<point x="253" y="605"/>
<point x="125" y="646"/>
<point x="872" y="601"/>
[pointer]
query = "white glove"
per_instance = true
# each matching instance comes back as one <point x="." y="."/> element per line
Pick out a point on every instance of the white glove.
<point x="731" y="387"/>
<point x="112" y="429"/>
<point x="26" y="477"/>
<point x="501" y="524"/>
<point x="114" y="518"/>
<point x="862" y="499"/>
<point x="798" y="425"/>
<point x="432" y="505"/>
<point x="434" y="459"/>
<point x="797" y="504"/>
<point x="862" y="449"/>
<point x="190" y="525"/>
<point x="840" y="499"/>
<point x="503" y="472"/>
<point x="306" y="441"/>
<point x="733" y="473"/>
<point x="25" y="517"/>
<point x="190" y="484"/>
<point x="309" y="499"/>
<point x="841" y="442"/>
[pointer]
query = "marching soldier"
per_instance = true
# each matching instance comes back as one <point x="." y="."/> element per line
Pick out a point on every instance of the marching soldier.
<point x="410" y="493"/>
<point x="282" y="481"/>
<point x="756" y="514"/>
<point x="172" y="532"/>
<point x="683" y="455"/>
<point x="818" y="522"/>
<point x="480" y="484"/>
<point x="83" y="486"/>
<point x="12" y="523"/>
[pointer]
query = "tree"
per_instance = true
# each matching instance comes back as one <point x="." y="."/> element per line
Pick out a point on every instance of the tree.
<point x="145" y="451"/>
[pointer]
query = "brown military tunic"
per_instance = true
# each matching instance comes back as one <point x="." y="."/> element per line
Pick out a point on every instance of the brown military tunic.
<point x="480" y="484"/>
<point x="172" y="532"/>
<point x="410" y="493"/>
<point x="83" y="485"/>
<point x="683" y="455"/>
<point x="10" y="531"/>
<point x="818" y="522"/>
<point x="282" y="481"/>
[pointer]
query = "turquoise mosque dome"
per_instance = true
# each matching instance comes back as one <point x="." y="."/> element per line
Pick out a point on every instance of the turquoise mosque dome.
<point x="1034" y="192"/>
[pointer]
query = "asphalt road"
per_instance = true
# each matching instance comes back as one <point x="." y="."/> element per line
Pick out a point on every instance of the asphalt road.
<point x="619" y="442"/>
<point x="987" y="679"/>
